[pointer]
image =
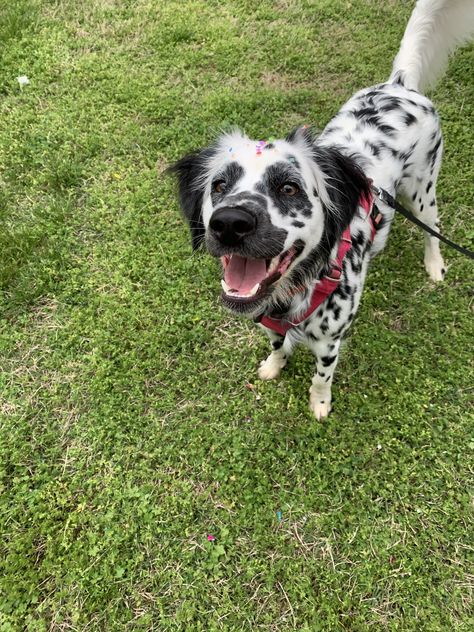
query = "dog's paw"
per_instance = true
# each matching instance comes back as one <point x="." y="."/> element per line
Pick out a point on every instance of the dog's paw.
<point x="436" y="269"/>
<point x="320" y="406"/>
<point x="271" y="367"/>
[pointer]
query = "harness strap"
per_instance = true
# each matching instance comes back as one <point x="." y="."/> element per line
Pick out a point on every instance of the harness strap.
<point x="329" y="283"/>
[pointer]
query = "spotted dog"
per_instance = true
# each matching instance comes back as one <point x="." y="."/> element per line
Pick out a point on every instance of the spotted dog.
<point x="293" y="220"/>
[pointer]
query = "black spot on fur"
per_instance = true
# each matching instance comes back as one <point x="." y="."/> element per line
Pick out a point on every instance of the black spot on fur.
<point x="231" y="174"/>
<point x="342" y="291"/>
<point x="409" y="118"/>
<point x="386" y="129"/>
<point x="433" y="152"/>
<point x="298" y="224"/>
<point x="389" y="103"/>
<point x="375" y="148"/>
<point x="406" y="155"/>
<point x="277" y="344"/>
<point x="338" y="332"/>
<point x="274" y="177"/>
<point x="370" y="116"/>
<point x="358" y="240"/>
<point x="364" y="112"/>
<point x="429" y="185"/>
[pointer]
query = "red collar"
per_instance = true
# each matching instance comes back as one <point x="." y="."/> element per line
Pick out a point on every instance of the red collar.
<point x="328" y="284"/>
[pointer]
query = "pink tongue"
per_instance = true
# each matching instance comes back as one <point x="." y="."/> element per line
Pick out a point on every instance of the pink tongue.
<point x="242" y="274"/>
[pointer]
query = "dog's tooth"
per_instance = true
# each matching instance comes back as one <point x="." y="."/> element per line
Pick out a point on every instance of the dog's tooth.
<point x="225" y="287"/>
<point x="273" y="265"/>
<point x="254" y="290"/>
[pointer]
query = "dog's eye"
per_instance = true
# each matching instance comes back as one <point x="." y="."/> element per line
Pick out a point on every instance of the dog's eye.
<point x="219" y="186"/>
<point x="289" y="188"/>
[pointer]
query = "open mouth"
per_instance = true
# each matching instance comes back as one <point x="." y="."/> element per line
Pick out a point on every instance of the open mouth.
<point x="246" y="280"/>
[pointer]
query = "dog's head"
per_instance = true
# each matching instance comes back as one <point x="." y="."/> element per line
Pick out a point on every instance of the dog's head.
<point x="271" y="210"/>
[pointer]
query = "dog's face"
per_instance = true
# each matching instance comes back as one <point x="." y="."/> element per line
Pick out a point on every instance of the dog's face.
<point x="271" y="211"/>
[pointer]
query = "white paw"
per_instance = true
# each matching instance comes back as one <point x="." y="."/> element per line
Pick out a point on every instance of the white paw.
<point x="435" y="268"/>
<point x="320" y="405"/>
<point x="271" y="367"/>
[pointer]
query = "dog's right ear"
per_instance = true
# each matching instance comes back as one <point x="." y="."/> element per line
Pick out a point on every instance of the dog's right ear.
<point x="191" y="172"/>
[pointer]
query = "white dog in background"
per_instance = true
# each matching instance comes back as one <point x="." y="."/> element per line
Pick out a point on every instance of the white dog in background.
<point x="293" y="220"/>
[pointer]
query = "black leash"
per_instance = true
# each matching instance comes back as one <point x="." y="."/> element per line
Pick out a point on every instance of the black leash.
<point x="386" y="198"/>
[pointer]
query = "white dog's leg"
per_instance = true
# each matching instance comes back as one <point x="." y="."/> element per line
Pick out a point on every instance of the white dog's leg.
<point x="426" y="209"/>
<point x="422" y="192"/>
<point x="326" y="352"/>
<point x="282" y="348"/>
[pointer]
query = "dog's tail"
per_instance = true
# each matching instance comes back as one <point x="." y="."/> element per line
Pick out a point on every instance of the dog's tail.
<point x="434" y="29"/>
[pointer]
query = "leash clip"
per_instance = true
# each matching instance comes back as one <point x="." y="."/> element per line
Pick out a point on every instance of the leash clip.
<point x="380" y="193"/>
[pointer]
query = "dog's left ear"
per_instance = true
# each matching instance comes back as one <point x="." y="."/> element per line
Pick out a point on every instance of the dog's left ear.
<point x="344" y="181"/>
<point x="190" y="171"/>
<point x="345" y="185"/>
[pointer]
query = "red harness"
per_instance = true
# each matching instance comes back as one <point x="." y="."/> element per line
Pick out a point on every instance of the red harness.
<point x="328" y="284"/>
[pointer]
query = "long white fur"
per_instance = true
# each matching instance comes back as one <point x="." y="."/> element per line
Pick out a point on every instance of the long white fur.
<point x="435" y="29"/>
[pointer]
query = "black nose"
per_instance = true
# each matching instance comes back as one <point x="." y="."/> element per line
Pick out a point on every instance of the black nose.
<point x="231" y="224"/>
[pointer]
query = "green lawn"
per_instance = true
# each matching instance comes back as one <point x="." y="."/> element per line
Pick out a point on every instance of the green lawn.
<point x="128" y="428"/>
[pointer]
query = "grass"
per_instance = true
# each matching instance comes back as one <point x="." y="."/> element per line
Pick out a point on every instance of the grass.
<point x="128" y="429"/>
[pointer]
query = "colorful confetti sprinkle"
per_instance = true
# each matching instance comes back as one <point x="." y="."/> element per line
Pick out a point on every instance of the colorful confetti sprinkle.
<point x="279" y="515"/>
<point x="211" y="537"/>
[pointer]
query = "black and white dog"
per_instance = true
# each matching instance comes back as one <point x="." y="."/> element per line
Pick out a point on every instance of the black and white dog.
<point x="292" y="220"/>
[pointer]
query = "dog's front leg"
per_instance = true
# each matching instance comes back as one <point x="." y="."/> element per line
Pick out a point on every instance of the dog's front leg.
<point x="270" y="368"/>
<point x="326" y="352"/>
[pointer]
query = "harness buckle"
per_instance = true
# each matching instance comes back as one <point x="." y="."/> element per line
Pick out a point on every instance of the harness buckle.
<point x="334" y="275"/>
